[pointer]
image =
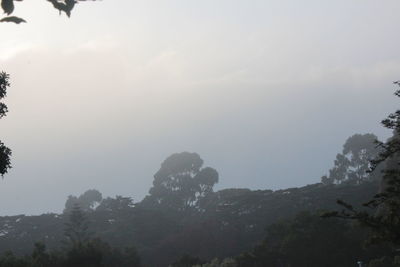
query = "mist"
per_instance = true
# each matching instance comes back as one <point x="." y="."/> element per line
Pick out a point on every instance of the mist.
<point x="265" y="92"/>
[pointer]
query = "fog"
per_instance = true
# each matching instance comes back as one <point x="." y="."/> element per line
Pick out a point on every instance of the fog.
<point x="265" y="92"/>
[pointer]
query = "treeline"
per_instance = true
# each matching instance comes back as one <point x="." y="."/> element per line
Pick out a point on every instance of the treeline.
<point x="226" y="224"/>
<point x="184" y="231"/>
<point x="94" y="253"/>
<point x="79" y="248"/>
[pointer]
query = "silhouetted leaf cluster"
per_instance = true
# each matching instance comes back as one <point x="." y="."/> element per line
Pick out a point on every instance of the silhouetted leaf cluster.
<point x="65" y="6"/>
<point x="5" y="152"/>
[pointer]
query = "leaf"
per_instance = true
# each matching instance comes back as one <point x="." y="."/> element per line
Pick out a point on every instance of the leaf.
<point x="14" y="19"/>
<point x="65" y="6"/>
<point x="7" y="6"/>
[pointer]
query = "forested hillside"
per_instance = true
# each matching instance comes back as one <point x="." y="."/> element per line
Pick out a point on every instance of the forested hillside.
<point x="184" y="222"/>
<point x="226" y="224"/>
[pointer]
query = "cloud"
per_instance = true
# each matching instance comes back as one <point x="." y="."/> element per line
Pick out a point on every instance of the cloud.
<point x="10" y="49"/>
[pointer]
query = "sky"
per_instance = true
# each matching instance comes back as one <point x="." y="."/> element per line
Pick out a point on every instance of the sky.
<point x="266" y="92"/>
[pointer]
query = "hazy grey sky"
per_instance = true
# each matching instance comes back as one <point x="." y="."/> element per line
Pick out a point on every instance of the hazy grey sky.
<point x="265" y="91"/>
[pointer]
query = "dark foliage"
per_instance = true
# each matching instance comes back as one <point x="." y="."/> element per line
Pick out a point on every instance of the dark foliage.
<point x="309" y="240"/>
<point x="181" y="183"/>
<point x="229" y="222"/>
<point x="187" y="261"/>
<point x="77" y="228"/>
<point x="223" y="224"/>
<point x="65" y="6"/>
<point x="87" y="201"/>
<point x="352" y="165"/>
<point x="5" y="152"/>
<point x="79" y="250"/>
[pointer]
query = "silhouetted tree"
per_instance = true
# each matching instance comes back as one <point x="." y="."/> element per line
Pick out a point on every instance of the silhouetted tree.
<point x="40" y="257"/>
<point x="76" y="229"/>
<point x="352" y="165"/>
<point x="181" y="182"/>
<point x="5" y="152"/>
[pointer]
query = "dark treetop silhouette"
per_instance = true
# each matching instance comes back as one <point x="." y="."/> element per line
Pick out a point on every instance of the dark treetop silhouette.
<point x="352" y="164"/>
<point x="182" y="183"/>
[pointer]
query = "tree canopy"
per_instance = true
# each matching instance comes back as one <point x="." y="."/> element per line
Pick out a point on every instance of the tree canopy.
<point x="86" y="201"/>
<point x="181" y="182"/>
<point x="352" y="165"/>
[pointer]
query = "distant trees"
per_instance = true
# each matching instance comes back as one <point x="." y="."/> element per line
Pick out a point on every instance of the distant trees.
<point x="87" y="201"/>
<point x="117" y="204"/>
<point x="5" y="152"/>
<point x="81" y="248"/>
<point x="187" y="261"/>
<point x="84" y="250"/>
<point x="352" y="165"/>
<point x="77" y="228"/>
<point x="308" y="241"/>
<point x="181" y="182"/>
<point x="227" y="262"/>
<point x="92" y="200"/>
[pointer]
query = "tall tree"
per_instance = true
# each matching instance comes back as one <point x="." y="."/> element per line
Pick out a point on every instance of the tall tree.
<point x="352" y="165"/>
<point x="5" y="152"/>
<point x="181" y="182"/>
<point x="76" y="229"/>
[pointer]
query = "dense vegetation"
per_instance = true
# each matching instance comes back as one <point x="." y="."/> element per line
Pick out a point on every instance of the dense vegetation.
<point x="226" y="224"/>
